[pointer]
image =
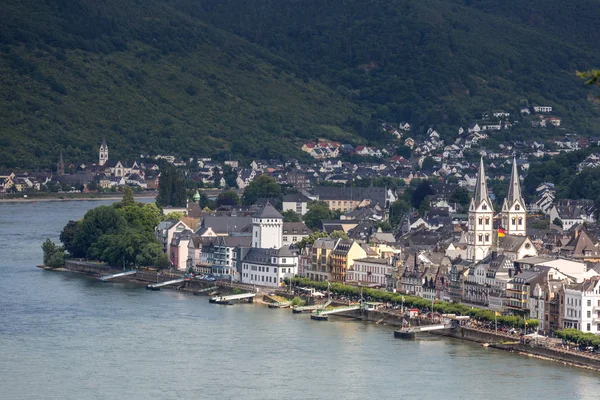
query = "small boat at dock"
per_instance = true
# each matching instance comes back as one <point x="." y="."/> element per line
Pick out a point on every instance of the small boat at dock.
<point x="318" y="317"/>
<point x="404" y="333"/>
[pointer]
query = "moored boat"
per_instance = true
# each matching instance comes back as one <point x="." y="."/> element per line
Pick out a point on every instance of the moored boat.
<point x="404" y="333"/>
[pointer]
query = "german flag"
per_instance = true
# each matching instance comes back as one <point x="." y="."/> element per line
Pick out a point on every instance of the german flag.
<point x="501" y="232"/>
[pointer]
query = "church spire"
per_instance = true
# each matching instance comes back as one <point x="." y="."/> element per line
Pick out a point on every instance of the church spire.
<point x="514" y="190"/>
<point x="481" y="192"/>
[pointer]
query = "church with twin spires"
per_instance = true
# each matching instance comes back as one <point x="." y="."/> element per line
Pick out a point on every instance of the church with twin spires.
<point x="482" y="236"/>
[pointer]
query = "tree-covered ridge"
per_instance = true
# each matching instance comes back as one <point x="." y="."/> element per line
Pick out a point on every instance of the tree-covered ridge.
<point x="428" y="62"/>
<point x="255" y="79"/>
<point x="150" y="79"/>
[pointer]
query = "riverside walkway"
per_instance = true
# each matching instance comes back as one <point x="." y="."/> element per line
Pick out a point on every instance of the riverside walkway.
<point x="113" y="276"/>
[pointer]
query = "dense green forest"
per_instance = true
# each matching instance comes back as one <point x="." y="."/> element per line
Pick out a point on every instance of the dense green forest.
<point x="254" y="78"/>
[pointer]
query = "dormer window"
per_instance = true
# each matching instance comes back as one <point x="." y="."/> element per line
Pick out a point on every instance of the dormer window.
<point x="517" y="207"/>
<point x="484" y="207"/>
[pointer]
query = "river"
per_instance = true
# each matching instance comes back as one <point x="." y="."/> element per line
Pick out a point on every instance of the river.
<point x="66" y="336"/>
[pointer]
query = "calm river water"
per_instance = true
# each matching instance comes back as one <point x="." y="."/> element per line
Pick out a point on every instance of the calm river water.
<point x="65" y="336"/>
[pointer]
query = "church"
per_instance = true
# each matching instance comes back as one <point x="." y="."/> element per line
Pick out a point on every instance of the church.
<point x="510" y="236"/>
<point x="267" y="262"/>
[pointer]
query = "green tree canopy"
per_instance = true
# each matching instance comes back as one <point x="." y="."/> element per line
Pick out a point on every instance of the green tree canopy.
<point x="171" y="188"/>
<point x="291" y="216"/>
<point x="317" y="212"/>
<point x="262" y="187"/>
<point x="228" y="198"/>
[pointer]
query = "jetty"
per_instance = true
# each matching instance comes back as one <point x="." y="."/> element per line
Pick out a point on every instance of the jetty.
<point x="323" y="314"/>
<point x="410" y="332"/>
<point x="157" y="286"/>
<point x="314" y="307"/>
<point x="228" y="299"/>
<point x="120" y="274"/>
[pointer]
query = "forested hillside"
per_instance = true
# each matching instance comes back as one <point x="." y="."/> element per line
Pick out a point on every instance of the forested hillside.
<point x="255" y="78"/>
<point x="429" y="61"/>
<point x="151" y="80"/>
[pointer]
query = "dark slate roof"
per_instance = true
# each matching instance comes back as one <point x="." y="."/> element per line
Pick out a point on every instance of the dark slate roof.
<point x="298" y="228"/>
<point x="261" y="256"/>
<point x="226" y="224"/>
<point x="296" y="198"/>
<point x="268" y="211"/>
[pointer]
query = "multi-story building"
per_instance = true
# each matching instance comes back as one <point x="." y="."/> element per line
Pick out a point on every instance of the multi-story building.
<point x="268" y="267"/>
<point x="342" y="258"/>
<point x="319" y="269"/>
<point x="581" y="306"/>
<point x="293" y="232"/>
<point x="370" y="271"/>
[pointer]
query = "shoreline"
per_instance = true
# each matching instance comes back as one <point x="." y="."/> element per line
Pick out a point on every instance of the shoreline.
<point x="468" y="334"/>
<point x="80" y="198"/>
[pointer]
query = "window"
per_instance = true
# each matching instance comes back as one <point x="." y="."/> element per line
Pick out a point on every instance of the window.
<point x="589" y="327"/>
<point x="283" y="260"/>
<point x="514" y="221"/>
<point x="487" y="237"/>
<point x="480" y="221"/>
<point x="480" y="238"/>
<point x="255" y="234"/>
<point x="589" y="314"/>
<point x="487" y="221"/>
<point x="484" y="207"/>
<point x="589" y="303"/>
<point x="520" y="221"/>
<point x="275" y="270"/>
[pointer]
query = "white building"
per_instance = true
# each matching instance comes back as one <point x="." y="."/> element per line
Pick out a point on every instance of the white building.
<point x="103" y="153"/>
<point x="268" y="267"/>
<point x="372" y="271"/>
<point x="542" y="109"/>
<point x="296" y="202"/>
<point x="514" y="215"/>
<point x="293" y="232"/>
<point x="166" y="229"/>
<point x="480" y="225"/>
<point x="267" y="228"/>
<point x="582" y="306"/>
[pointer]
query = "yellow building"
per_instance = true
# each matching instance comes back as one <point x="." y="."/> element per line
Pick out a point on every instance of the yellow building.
<point x="342" y="258"/>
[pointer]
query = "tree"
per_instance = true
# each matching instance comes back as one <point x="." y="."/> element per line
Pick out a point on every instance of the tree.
<point x="422" y="190"/>
<point x="310" y="239"/>
<point x="171" y="188"/>
<point x="263" y="186"/>
<point x="97" y="222"/>
<point x="317" y="212"/>
<point x="68" y="239"/>
<point x="428" y="164"/>
<point x="128" y="198"/>
<point x="461" y="196"/>
<point x="557" y="222"/>
<point x="397" y="211"/>
<point x="228" y="198"/>
<point x="339" y="235"/>
<point x="174" y="216"/>
<point x="49" y="248"/>
<point x="141" y="216"/>
<point x="291" y="216"/>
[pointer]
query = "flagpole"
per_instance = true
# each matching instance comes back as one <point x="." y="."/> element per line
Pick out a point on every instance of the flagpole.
<point x="496" y="320"/>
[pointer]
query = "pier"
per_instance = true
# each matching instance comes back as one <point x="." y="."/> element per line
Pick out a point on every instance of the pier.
<point x="314" y="307"/>
<point x="323" y="314"/>
<point x="411" y="331"/>
<point x="230" y="298"/>
<point x="157" y="286"/>
<point x="113" y="276"/>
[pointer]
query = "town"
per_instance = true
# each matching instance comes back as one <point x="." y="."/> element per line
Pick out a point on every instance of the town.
<point x="425" y="225"/>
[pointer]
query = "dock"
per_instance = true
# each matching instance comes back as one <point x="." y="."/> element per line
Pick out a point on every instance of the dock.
<point x="157" y="286"/>
<point x="314" y="307"/>
<point x="410" y="332"/>
<point x="228" y="299"/>
<point x="120" y="274"/>
<point x="323" y="314"/>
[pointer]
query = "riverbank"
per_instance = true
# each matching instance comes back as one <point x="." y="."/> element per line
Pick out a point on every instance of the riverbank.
<point x="72" y="197"/>
<point x="495" y="340"/>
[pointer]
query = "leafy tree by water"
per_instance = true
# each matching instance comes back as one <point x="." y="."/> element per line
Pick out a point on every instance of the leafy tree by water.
<point x="54" y="256"/>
